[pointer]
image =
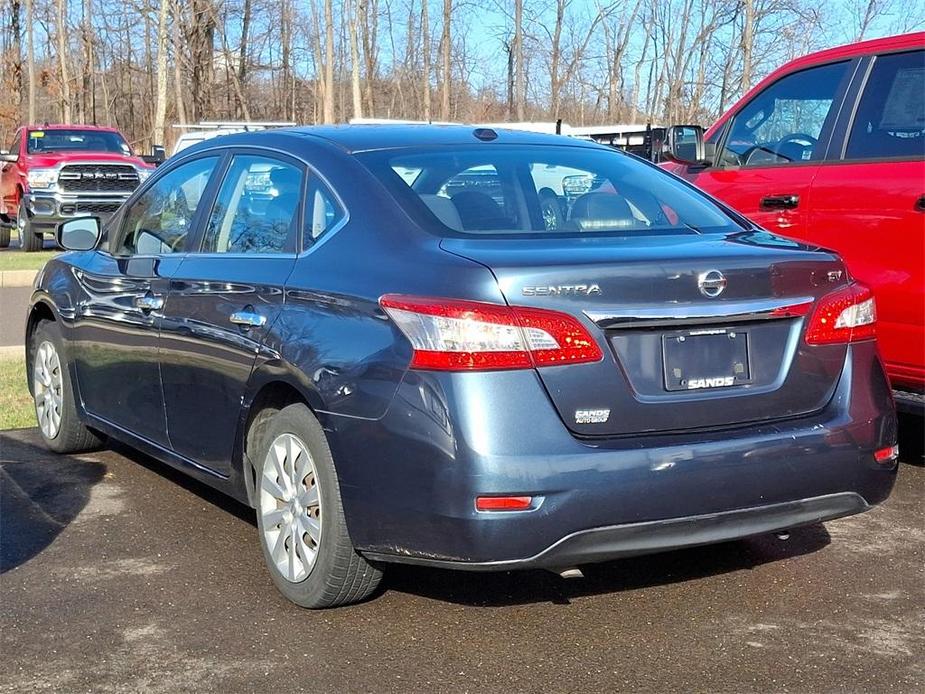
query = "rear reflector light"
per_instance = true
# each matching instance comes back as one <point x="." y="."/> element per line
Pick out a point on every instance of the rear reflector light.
<point x="887" y="455"/>
<point x="503" y="503"/>
<point x="454" y="335"/>
<point x="846" y="315"/>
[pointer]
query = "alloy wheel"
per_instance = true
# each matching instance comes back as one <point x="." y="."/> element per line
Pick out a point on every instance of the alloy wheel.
<point x="290" y="507"/>
<point x="47" y="385"/>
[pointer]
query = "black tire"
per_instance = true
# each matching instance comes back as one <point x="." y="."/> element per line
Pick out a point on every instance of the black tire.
<point x="4" y="236"/>
<point x="72" y="436"/>
<point x="29" y="241"/>
<point x="339" y="575"/>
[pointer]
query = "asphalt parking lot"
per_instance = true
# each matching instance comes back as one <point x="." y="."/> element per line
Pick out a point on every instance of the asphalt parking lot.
<point x="119" y="574"/>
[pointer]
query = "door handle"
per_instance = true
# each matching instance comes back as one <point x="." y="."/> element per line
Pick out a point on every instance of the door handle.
<point x="248" y="319"/>
<point x="920" y="204"/>
<point x="780" y="202"/>
<point x="149" y="302"/>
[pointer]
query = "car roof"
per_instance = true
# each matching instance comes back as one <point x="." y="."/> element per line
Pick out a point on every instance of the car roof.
<point x="369" y="137"/>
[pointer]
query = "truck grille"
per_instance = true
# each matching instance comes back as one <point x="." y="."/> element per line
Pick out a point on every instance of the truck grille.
<point x="97" y="208"/>
<point x="98" y="178"/>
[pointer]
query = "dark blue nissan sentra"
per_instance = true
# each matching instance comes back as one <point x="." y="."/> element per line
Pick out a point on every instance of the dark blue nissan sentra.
<point x="464" y="348"/>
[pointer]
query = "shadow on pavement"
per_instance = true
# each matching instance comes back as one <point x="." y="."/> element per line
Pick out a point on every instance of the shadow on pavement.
<point x="194" y="486"/>
<point x="40" y="494"/>
<point x="522" y="587"/>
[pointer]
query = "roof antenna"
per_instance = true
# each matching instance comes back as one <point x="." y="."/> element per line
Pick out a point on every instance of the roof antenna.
<point x="485" y="134"/>
<point x="558" y="126"/>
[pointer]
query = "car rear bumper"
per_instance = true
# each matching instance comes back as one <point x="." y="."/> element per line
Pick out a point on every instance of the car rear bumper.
<point x="632" y="539"/>
<point x="409" y="481"/>
<point x="47" y="209"/>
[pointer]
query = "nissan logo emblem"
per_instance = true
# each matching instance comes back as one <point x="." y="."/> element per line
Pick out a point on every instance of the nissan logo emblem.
<point x="711" y="283"/>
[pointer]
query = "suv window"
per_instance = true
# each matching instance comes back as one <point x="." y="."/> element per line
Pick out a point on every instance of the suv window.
<point x="257" y="208"/>
<point x="782" y="124"/>
<point x="160" y="220"/>
<point x="14" y="148"/>
<point x="890" y="120"/>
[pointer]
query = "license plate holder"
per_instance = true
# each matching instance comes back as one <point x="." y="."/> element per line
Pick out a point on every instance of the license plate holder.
<point x="705" y="359"/>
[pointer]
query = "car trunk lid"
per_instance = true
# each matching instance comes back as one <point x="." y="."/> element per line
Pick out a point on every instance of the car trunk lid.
<point x="698" y="331"/>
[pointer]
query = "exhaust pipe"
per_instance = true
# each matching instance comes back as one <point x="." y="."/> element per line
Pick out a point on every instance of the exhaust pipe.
<point x="571" y="572"/>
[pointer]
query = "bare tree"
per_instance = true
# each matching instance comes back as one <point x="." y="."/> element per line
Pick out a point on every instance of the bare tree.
<point x="425" y="52"/>
<point x="520" y="81"/>
<point x="447" y="50"/>
<point x="65" y="85"/>
<point x="356" y="8"/>
<point x="160" y="103"/>
<point x="30" y="62"/>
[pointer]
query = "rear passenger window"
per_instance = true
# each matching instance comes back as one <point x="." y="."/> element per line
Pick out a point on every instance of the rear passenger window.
<point x="322" y="213"/>
<point x="257" y="208"/>
<point x="890" y="121"/>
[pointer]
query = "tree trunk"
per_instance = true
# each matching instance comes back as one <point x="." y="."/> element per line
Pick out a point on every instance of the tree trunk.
<point x="328" y="62"/>
<point x="356" y="7"/>
<point x="60" y="29"/>
<point x="520" y="82"/>
<point x="15" y="47"/>
<point x="747" y="45"/>
<point x="447" y="51"/>
<point x="177" y="72"/>
<point x="30" y="63"/>
<point x="425" y="50"/>
<point x="160" y="102"/>
<point x="369" y="13"/>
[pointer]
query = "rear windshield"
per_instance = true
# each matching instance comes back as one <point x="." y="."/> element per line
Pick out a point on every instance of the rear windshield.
<point x="539" y="190"/>
<point x="60" y="140"/>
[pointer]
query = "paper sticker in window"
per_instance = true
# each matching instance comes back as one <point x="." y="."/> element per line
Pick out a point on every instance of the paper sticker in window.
<point x="903" y="108"/>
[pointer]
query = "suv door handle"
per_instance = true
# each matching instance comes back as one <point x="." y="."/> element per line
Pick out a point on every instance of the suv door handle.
<point x="780" y="202"/>
<point x="920" y="204"/>
<point x="248" y="318"/>
<point x="149" y="302"/>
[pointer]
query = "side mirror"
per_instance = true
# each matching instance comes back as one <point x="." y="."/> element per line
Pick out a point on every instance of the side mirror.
<point x="684" y="144"/>
<point x="8" y="158"/>
<point x="79" y="234"/>
<point x="157" y="156"/>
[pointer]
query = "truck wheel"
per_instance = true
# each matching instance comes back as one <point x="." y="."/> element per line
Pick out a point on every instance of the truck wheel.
<point x="300" y="518"/>
<point x="4" y="236"/>
<point x="29" y="241"/>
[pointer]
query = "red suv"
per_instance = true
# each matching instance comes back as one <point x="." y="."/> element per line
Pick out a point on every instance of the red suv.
<point x="54" y="172"/>
<point x="830" y="149"/>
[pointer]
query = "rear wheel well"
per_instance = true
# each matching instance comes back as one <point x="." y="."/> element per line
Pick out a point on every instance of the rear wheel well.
<point x="270" y="399"/>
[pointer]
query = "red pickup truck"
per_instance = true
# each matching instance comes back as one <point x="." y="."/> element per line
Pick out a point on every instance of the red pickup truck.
<point x="830" y="149"/>
<point x="53" y="172"/>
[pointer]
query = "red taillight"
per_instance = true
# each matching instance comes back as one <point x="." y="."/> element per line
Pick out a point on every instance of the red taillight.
<point x="886" y="455"/>
<point x="503" y="503"/>
<point x="846" y="315"/>
<point x="455" y="335"/>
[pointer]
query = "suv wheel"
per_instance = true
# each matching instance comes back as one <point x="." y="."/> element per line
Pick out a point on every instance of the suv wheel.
<point x="4" y="235"/>
<point x="300" y="517"/>
<point x="53" y="394"/>
<point x="29" y="240"/>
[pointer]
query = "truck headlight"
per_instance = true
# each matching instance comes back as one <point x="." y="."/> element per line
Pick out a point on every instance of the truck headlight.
<point x="42" y="178"/>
